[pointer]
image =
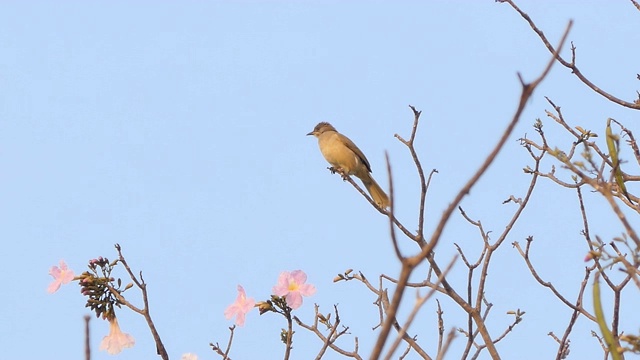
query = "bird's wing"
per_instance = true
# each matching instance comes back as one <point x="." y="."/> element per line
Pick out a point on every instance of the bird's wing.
<point x="355" y="150"/>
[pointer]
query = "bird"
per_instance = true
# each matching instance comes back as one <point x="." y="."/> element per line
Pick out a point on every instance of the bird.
<point x="348" y="159"/>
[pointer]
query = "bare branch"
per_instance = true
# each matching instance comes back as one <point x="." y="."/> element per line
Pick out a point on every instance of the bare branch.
<point x="87" y="338"/>
<point x="216" y="347"/>
<point x="160" y="350"/>
<point x="570" y="65"/>
<point x="420" y="301"/>
<point x="334" y="334"/>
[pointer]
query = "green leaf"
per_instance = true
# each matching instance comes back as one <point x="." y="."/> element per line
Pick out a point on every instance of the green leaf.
<point x="613" y="143"/>
<point x="602" y="323"/>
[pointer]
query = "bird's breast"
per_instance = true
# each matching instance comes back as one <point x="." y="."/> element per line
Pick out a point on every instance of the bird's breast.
<point x="337" y="153"/>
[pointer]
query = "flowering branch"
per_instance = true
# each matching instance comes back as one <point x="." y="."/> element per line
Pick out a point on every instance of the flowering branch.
<point x="105" y="293"/>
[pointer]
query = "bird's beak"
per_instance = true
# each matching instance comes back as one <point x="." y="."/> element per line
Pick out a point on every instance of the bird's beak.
<point x="311" y="133"/>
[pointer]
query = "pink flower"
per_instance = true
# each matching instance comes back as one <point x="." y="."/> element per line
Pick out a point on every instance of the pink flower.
<point x="61" y="275"/>
<point x="116" y="340"/>
<point x="591" y="255"/>
<point x="240" y="307"/>
<point x="189" y="356"/>
<point x="292" y="286"/>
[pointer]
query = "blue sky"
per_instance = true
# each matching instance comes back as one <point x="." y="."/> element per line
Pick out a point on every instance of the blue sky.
<point x="178" y="131"/>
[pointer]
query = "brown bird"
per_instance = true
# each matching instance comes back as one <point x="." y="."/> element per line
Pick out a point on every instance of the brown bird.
<point x="345" y="157"/>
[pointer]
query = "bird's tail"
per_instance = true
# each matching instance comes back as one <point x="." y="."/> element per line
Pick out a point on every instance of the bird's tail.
<point x="377" y="194"/>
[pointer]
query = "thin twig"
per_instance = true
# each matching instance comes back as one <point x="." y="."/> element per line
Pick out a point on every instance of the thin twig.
<point x="416" y="160"/>
<point x="420" y="301"/>
<point x="160" y="349"/>
<point x="392" y="230"/>
<point x="330" y="339"/>
<point x="570" y="65"/>
<point x="87" y="338"/>
<point x="216" y="347"/>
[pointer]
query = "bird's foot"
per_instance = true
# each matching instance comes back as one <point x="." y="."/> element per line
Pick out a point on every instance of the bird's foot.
<point x="340" y="171"/>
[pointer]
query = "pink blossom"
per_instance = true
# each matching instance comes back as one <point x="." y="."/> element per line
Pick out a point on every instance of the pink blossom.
<point x="240" y="307"/>
<point x="591" y="255"/>
<point x="292" y="286"/>
<point x="116" y="340"/>
<point x="189" y="356"/>
<point x="61" y="275"/>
